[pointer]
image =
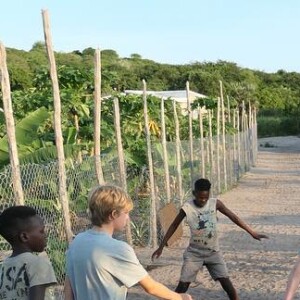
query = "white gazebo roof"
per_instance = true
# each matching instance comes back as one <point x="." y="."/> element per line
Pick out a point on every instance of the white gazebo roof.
<point x="179" y="95"/>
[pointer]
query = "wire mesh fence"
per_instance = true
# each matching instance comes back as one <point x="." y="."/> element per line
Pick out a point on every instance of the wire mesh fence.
<point x="40" y="185"/>
<point x="237" y="162"/>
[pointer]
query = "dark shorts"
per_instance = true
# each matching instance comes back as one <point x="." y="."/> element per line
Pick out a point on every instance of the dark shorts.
<point x="195" y="259"/>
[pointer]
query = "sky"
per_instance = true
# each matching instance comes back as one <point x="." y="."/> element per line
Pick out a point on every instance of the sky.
<point x="256" y="34"/>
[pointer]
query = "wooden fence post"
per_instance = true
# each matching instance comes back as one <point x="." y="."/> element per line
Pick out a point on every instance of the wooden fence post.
<point x="191" y="148"/>
<point x="238" y="143"/>
<point x="165" y="152"/>
<point x="10" y="129"/>
<point x="218" y="147"/>
<point x="250" y="137"/>
<point x="201" y="142"/>
<point x="234" y="146"/>
<point x="121" y="159"/>
<point x="178" y="154"/>
<point x="223" y="136"/>
<point x="97" y="116"/>
<point x="211" y="147"/>
<point x="57" y="128"/>
<point x="153" y="217"/>
<point x="228" y="109"/>
<point x="255" y="133"/>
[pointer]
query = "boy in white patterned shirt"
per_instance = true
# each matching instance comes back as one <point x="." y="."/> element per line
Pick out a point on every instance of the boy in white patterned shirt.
<point x="203" y="249"/>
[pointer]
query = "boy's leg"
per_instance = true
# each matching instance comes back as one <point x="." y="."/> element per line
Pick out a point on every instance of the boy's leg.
<point x="192" y="263"/>
<point x="182" y="287"/>
<point x="228" y="288"/>
<point x="218" y="271"/>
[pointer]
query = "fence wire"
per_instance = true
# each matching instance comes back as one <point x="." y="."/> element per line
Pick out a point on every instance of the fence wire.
<point x="40" y="186"/>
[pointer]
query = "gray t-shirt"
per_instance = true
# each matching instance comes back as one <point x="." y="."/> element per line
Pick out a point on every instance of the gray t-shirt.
<point x="19" y="273"/>
<point x="101" y="267"/>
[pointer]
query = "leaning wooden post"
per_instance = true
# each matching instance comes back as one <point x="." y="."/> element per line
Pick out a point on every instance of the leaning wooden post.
<point x="223" y="136"/>
<point x="10" y="129"/>
<point x="153" y="217"/>
<point x="121" y="159"/>
<point x="201" y="142"/>
<point x="178" y="154"/>
<point x="97" y="116"/>
<point x="57" y="128"/>
<point x="165" y="153"/>
<point x="190" y="116"/>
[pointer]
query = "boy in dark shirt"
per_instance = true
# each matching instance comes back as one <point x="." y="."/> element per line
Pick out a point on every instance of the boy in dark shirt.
<point x="24" y="275"/>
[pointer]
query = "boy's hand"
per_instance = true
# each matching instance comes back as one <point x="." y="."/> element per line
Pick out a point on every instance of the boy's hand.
<point x="259" y="236"/>
<point x="186" y="297"/>
<point x="157" y="253"/>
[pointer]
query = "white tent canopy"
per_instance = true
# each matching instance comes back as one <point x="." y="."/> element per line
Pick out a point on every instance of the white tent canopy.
<point x="179" y="96"/>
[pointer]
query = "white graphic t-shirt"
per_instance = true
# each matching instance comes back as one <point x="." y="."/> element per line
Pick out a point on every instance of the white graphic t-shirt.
<point x="203" y="224"/>
<point x="21" y="272"/>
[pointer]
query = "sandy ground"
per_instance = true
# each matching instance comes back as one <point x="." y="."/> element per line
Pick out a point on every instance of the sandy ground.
<point x="268" y="199"/>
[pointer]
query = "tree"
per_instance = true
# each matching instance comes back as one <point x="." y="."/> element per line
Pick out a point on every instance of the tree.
<point x="135" y="56"/>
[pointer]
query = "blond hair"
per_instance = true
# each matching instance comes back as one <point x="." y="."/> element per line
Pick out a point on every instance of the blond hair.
<point x="103" y="200"/>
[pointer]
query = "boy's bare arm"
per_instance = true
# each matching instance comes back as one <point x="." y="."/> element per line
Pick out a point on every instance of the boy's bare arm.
<point x="293" y="282"/>
<point x="157" y="289"/>
<point x="178" y="219"/>
<point x="37" y="292"/>
<point x="68" y="290"/>
<point x="238" y="221"/>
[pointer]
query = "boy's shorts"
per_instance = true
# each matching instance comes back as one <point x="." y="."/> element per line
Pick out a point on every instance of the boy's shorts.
<point x="195" y="259"/>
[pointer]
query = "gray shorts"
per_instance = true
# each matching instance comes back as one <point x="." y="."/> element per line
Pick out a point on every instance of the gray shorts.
<point x="195" y="259"/>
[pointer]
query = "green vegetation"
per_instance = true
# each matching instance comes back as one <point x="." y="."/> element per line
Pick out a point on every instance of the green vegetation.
<point x="278" y="126"/>
<point x="278" y="122"/>
<point x="276" y="96"/>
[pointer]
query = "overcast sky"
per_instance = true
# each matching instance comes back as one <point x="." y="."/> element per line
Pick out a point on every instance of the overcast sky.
<point x="258" y="34"/>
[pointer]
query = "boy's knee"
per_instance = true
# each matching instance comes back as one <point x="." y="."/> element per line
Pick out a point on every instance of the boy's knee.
<point x="225" y="280"/>
<point x="226" y="284"/>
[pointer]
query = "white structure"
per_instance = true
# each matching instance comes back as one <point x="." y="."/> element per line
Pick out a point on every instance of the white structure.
<point x="179" y="96"/>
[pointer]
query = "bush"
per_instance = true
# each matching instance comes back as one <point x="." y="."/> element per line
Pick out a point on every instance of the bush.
<point x="277" y="126"/>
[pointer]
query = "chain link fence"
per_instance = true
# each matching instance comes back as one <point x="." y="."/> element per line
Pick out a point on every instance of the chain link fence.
<point x="238" y="160"/>
<point x="40" y="186"/>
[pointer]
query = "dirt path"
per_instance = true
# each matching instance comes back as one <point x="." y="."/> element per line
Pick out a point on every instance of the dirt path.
<point x="268" y="198"/>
